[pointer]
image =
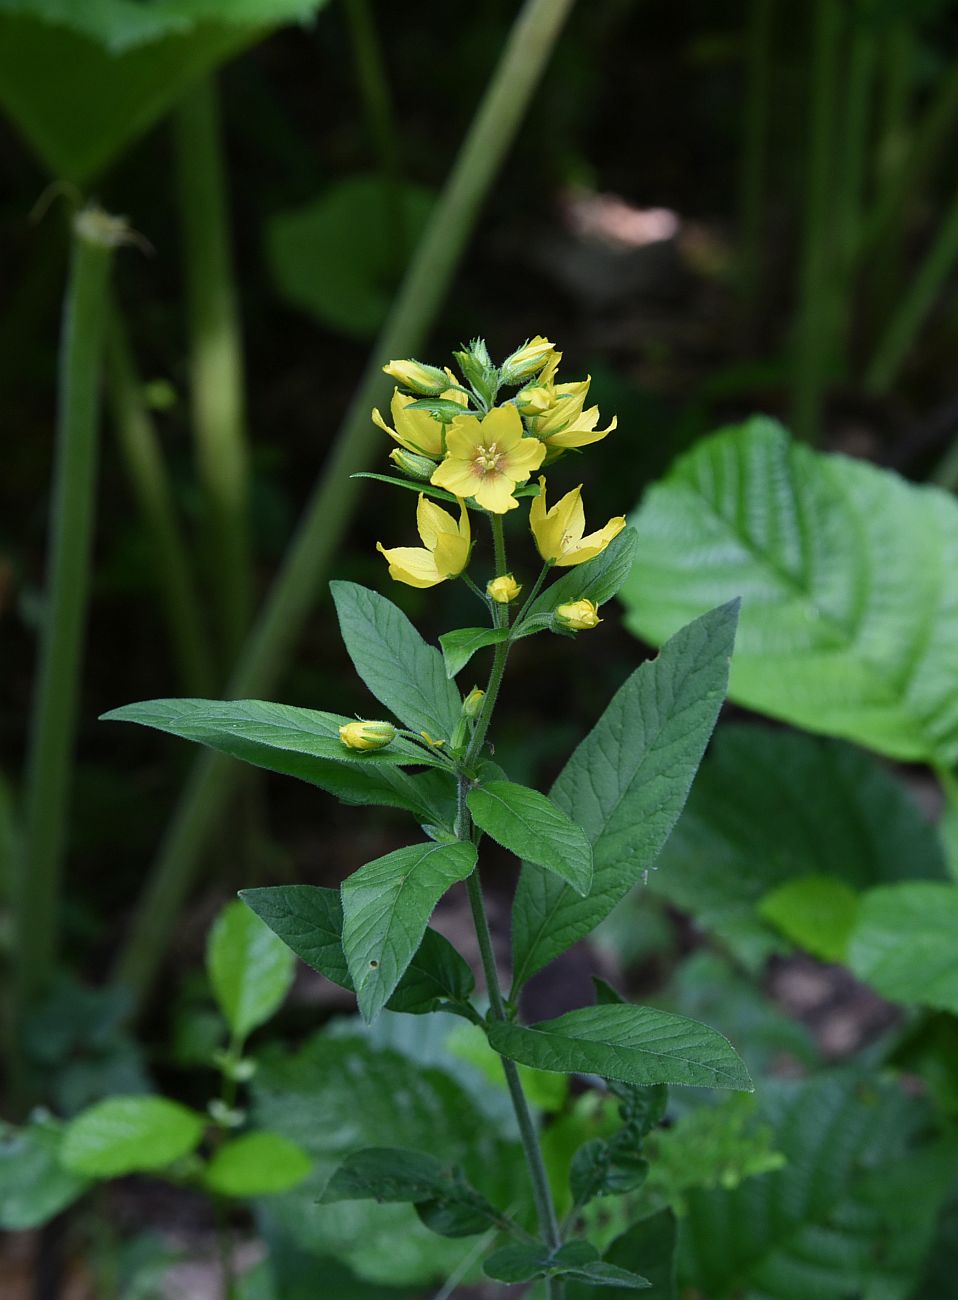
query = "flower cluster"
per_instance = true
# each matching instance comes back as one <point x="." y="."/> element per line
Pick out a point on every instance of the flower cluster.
<point x="480" y="450"/>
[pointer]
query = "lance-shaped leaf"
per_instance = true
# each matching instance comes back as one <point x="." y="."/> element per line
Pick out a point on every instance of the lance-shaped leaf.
<point x="126" y="1135"/>
<point x="637" y="1045"/>
<point x="386" y="907"/>
<point x="575" y="1260"/>
<point x="309" y="920"/>
<point x="532" y="827"/>
<point x="597" y="580"/>
<point x="444" y="1201"/>
<point x="849" y="578"/>
<point x="397" y="665"/>
<point x="250" y="969"/>
<point x="459" y="646"/>
<point x="626" y="784"/>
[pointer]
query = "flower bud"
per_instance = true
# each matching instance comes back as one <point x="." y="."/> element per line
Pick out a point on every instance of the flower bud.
<point x="579" y="615"/>
<point x="478" y="370"/>
<point x="473" y="702"/>
<point x="426" y="381"/>
<point x="526" y="361"/>
<point x="366" y="735"/>
<point x="503" y="590"/>
<point x="535" y="400"/>
<point x="413" y="466"/>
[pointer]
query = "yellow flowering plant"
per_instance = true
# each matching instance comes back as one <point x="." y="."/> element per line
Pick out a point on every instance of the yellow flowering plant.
<point x="582" y="846"/>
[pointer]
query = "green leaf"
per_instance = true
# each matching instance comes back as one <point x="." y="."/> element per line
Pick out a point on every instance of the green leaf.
<point x="411" y="485"/>
<point x="637" y="1045"/>
<point x="309" y="920"/>
<point x="459" y="646"/>
<point x="336" y="257"/>
<point x="576" y="1259"/>
<point x="386" y="908"/>
<point x="816" y="912"/>
<point x="250" y="969"/>
<point x="82" y="81"/>
<point x="746" y="830"/>
<point x="649" y="1245"/>
<point x="127" y="1135"/>
<point x="625" y="786"/>
<point x="904" y="943"/>
<point x="34" y="1185"/>
<point x="256" y="1164"/>
<point x="445" y="1202"/>
<point x="849" y="578"/>
<point x="597" y="580"/>
<point x="397" y="665"/>
<point x="280" y="737"/>
<point x="531" y="826"/>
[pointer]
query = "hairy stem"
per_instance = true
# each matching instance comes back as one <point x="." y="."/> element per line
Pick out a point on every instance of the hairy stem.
<point x="57" y="681"/>
<point x="307" y="561"/>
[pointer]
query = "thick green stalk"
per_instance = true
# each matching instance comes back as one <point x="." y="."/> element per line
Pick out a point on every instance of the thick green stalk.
<point x="380" y="120"/>
<point x="755" y="150"/>
<point x="815" y="323"/>
<point x="145" y="466"/>
<point x="307" y="561"/>
<point x="57" y="682"/>
<point x="913" y="310"/>
<point x="216" y="360"/>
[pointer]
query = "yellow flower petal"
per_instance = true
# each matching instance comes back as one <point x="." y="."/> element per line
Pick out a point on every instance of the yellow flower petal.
<point x="502" y="426"/>
<point x="495" y="493"/>
<point x="457" y="476"/>
<point x="433" y="522"/>
<point x="527" y="455"/>
<point x="583" y="432"/>
<point x="451" y="554"/>
<point x="589" y="547"/>
<point x="412" y="565"/>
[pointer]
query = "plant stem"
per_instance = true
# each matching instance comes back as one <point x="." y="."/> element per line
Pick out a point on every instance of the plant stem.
<point x="380" y="121"/>
<point x="815" y="324"/>
<point x="216" y="359"/>
<point x="57" y="682"/>
<point x="536" y="588"/>
<point x="140" y="447"/>
<point x="307" y="560"/>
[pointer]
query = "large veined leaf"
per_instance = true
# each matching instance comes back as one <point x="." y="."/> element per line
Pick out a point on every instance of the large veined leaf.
<point x="637" y="1045"/>
<point x="625" y="786"/>
<point x="848" y="577"/>
<point x="250" y="968"/>
<point x="771" y="806"/>
<point x="905" y="943"/>
<point x="837" y="1220"/>
<point x="397" y="665"/>
<point x="386" y="908"/>
<point x="83" y="80"/>
<point x="376" y="1097"/>
<point x="310" y="920"/>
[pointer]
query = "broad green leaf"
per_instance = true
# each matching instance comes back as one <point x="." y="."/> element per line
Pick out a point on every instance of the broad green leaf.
<point x="905" y="943"/>
<point x="576" y="1259"/>
<point x="747" y="830"/>
<point x="127" y="1135"/>
<point x="625" y="786"/>
<point x="397" y="665"/>
<point x="816" y="912"/>
<point x="82" y="80"/>
<point x="597" y="580"/>
<point x="337" y="256"/>
<point x="849" y="581"/>
<point x="650" y="1246"/>
<point x="338" y="1094"/>
<point x="309" y="920"/>
<point x="34" y="1184"/>
<point x="256" y="1164"/>
<point x="444" y="1201"/>
<point x="249" y="967"/>
<point x="386" y="908"/>
<point x="637" y="1045"/>
<point x="532" y="827"/>
<point x="281" y="737"/>
<point x="459" y="646"/>
<point x="850" y="1213"/>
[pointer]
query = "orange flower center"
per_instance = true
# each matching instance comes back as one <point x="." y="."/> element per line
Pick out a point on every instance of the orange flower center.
<point x="488" y="460"/>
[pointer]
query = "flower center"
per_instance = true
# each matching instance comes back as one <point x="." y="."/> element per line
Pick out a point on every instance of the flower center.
<point x="488" y="460"/>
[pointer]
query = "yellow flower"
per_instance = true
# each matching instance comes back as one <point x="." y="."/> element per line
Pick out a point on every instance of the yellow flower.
<point x="579" y="615"/>
<point x="555" y="413"/>
<point x="431" y="741"/>
<point x="504" y="589"/>
<point x="487" y="458"/>
<point x="445" y="553"/>
<point x="367" y="735"/>
<point x="425" y="381"/>
<point x="558" y="532"/>
<point x="527" y="360"/>
<point x="417" y="431"/>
